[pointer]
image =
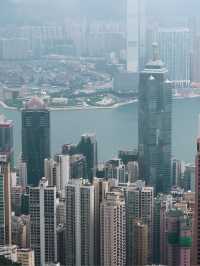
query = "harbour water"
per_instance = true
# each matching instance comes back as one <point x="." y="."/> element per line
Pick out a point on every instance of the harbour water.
<point x="116" y="128"/>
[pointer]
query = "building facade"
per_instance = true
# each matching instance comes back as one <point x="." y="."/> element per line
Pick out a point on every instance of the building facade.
<point x="135" y="35"/>
<point x="6" y="139"/>
<point x="139" y="207"/>
<point x="35" y="139"/>
<point x="196" y="229"/>
<point x="79" y="223"/>
<point x="101" y="187"/>
<point x="42" y="208"/>
<point x="88" y="147"/>
<point x="140" y="235"/>
<point x="5" y="201"/>
<point x="175" y="50"/>
<point x="113" y="229"/>
<point x="57" y="171"/>
<point x="154" y="123"/>
<point x="26" y="257"/>
<point x="179" y="238"/>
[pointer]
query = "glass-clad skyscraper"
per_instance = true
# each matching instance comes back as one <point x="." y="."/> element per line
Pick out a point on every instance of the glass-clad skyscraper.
<point x="6" y="138"/>
<point x="155" y="110"/>
<point x="35" y="139"/>
<point x="88" y="147"/>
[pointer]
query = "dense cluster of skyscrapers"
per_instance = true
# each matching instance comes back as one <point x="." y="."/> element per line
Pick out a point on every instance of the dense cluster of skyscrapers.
<point x="132" y="210"/>
<point x="140" y="208"/>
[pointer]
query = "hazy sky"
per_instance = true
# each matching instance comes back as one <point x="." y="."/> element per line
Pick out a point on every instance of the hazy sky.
<point x="34" y="10"/>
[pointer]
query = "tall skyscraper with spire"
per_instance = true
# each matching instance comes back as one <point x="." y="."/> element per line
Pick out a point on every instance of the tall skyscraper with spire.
<point x="154" y="124"/>
<point x="35" y="139"/>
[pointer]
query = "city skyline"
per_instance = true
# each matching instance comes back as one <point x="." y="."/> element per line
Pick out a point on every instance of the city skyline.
<point x="99" y="103"/>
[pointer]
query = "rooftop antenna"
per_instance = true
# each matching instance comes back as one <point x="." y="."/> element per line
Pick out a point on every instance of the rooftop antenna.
<point x="156" y="55"/>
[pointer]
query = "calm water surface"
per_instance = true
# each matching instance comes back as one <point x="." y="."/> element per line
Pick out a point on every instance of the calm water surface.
<point x="116" y="128"/>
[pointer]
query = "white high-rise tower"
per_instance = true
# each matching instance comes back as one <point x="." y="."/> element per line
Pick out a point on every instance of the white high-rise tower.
<point x="135" y="35"/>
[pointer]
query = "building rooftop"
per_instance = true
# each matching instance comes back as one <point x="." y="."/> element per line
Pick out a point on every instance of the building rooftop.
<point x="4" y="122"/>
<point x="35" y="103"/>
<point x="173" y="30"/>
<point x="155" y="65"/>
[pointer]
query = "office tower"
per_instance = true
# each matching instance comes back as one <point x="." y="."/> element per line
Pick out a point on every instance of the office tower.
<point x="176" y="172"/>
<point x="154" y="123"/>
<point x="156" y="229"/>
<point x="50" y="171"/>
<point x="135" y="35"/>
<point x="133" y="171"/>
<point x="60" y="211"/>
<point x="64" y="167"/>
<point x="140" y="236"/>
<point x="79" y="223"/>
<point x="5" y="201"/>
<point x="179" y="232"/>
<point x="128" y="155"/>
<point x="43" y="223"/>
<point x="25" y="203"/>
<point x="175" y="49"/>
<point x="16" y="199"/>
<point x="61" y="244"/>
<point x="21" y="231"/>
<point x="57" y="171"/>
<point x="195" y="76"/>
<point x="22" y="174"/>
<point x="130" y="160"/>
<point x="139" y="206"/>
<point x="101" y="187"/>
<point x="78" y="166"/>
<point x="189" y="178"/>
<point x="6" y="139"/>
<point x="113" y="229"/>
<point x="196" y="228"/>
<point x="35" y="139"/>
<point x="115" y="169"/>
<point x="63" y="171"/>
<point x="166" y="205"/>
<point x="88" y="147"/>
<point x="26" y="257"/>
<point x="69" y="149"/>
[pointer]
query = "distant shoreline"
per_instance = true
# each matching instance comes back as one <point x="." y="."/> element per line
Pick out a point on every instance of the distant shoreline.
<point x="5" y="106"/>
<point x="76" y="108"/>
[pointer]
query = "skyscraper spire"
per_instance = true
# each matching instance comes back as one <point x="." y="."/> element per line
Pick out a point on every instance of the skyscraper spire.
<point x="156" y="55"/>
